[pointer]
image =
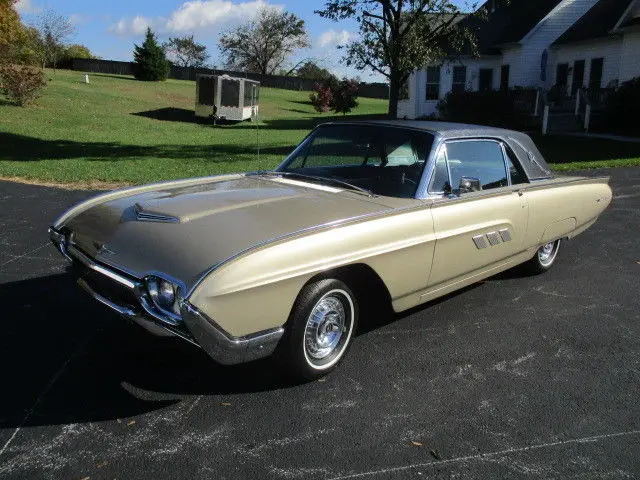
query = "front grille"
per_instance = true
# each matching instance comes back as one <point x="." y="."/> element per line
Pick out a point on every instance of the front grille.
<point x="106" y="287"/>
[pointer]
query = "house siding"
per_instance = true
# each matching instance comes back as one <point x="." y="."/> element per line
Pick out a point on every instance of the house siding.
<point x="630" y="67"/>
<point x="608" y="48"/>
<point x="620" y="54"/>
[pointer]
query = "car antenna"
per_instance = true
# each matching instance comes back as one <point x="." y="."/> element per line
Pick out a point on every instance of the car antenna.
<point x="254" y="118"/>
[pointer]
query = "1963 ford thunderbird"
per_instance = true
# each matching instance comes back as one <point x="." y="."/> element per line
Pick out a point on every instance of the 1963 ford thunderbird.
<point x="274" y="262"/>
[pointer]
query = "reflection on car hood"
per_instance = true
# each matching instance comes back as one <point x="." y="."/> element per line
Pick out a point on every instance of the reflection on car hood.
<point x="184" y="230"/>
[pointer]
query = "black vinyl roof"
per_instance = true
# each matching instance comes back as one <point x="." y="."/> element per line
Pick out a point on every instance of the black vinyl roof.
<point x="528" y="154"/>
<point x="596" y="23"/>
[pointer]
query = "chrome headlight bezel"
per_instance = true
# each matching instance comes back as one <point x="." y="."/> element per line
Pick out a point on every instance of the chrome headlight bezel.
<point x="163" y="294"/>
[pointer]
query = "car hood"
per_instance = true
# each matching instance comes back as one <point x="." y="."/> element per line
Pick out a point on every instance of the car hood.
<point x="183" y="230"/>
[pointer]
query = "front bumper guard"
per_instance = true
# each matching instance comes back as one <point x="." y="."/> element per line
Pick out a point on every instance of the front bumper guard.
<point x="194" y="327"/>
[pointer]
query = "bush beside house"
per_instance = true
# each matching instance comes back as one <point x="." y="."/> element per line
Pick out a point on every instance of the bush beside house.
<point x="493" y="108"/>
<point x="621" y="112"/>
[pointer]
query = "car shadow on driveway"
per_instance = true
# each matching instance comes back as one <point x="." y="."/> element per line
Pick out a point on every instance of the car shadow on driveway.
<point x="68" y="360"/>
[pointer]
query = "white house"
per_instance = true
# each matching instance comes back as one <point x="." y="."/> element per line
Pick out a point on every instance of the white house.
<point x="537" y="44"/>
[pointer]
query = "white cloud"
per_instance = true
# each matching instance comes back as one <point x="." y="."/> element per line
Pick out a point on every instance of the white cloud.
<point x="212" y="13"/>
<point x="79" y="19"/>
<point x="203" y="15"/>
<point x="27" y="7"/>
<point x="333" y="38"/>
<point x="135" y="26"/>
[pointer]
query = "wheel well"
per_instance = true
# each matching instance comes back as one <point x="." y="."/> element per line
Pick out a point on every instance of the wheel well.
<point x="363" y="280"/>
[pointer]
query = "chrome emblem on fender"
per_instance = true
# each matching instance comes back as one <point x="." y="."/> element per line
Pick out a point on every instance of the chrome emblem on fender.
<point x="103" y="249"/>
<point x="492" y="238"/>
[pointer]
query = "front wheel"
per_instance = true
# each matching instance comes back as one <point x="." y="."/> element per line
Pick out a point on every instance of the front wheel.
<point x="320" y="329"/>
<point x="544" y="258"/>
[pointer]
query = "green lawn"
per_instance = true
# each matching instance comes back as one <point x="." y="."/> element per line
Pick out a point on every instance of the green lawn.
<point x="566" y="152"/>
<point x="118" y="130"/>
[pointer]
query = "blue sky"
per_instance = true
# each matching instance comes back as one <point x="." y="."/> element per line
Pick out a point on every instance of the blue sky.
<point x="111" y="28"/>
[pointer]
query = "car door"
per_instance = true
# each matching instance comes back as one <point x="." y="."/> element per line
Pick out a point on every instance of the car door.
<point x="479" y="230"/>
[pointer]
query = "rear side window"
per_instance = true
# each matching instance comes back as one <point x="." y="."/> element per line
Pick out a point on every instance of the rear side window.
<point x="481" y="159"/>
<point x="515" y="169"/>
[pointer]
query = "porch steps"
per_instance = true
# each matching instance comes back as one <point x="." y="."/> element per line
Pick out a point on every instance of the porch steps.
<point x="563" y="122"/>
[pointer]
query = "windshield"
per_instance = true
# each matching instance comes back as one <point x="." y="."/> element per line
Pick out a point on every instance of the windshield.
<point x="384" y="160"/>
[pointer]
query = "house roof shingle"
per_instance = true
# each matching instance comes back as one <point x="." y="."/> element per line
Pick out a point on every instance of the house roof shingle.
<point x="509" y="23"/>
<point x="596" y="23"/>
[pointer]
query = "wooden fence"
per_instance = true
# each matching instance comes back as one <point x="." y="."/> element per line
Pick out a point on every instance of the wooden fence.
<point x="92" y="65"/>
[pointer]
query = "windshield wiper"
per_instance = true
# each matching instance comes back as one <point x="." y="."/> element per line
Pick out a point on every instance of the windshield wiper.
<point x="355" y="188"/>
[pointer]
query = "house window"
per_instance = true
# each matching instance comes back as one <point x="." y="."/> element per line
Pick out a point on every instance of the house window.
<point x="433" y="83"/>
<point x="459" y="78"/>
<point x="595" y="76"/>
<point x="504" y="77"/>
<point x="486" y="80"/>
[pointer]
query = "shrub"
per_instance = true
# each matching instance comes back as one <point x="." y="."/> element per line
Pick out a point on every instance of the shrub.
<point x="338" y="96"/>
<point x="344" y="96"/>
<point x="494" y="108"/>
<point x="22" y="84"/>
<point x="151" y="63"/>
<point x="322" y="97"/>
<point x="621" y="111"/>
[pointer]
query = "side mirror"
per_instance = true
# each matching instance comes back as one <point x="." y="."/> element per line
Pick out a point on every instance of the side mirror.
<point x="469" y="184"/>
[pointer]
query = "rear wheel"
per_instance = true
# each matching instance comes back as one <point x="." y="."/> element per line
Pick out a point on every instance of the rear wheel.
<point x="320" y="329"/>
<point x="544" y="259"/>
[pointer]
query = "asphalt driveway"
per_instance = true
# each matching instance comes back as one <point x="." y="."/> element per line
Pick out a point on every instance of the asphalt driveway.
<point x="515" y="377"/>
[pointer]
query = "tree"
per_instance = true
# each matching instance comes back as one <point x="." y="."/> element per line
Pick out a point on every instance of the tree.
<point x="78" y="51"/>
<point x="263" y="44"/>
<point x="150" y="61"/>
<point x="313" y="71"/>
<point x="54" y="29"/>
<point x="186" y="51"/>
<point x="12" y="32"/>
<point x="400" y="36"/>
<point x="333" y="94"/>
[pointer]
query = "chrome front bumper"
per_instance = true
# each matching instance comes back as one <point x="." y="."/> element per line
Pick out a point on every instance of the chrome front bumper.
<point x="194" y="326"/>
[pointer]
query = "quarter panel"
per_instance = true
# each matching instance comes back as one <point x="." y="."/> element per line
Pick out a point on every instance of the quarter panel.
<point x="556" y="210"/>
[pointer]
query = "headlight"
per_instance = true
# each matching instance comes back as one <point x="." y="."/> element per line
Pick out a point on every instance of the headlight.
<point x="163" y="294"/>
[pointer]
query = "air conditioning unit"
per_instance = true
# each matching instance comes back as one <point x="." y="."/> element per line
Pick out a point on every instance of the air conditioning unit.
<point x="221" y="97"/>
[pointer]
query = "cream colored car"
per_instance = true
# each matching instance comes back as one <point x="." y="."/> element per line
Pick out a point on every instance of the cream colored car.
<point x="276" y="262"/>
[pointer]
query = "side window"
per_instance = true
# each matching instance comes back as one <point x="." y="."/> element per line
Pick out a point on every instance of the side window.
<point x="515" y="169"/>
<point x="440" y="177"/>
<point x="481" y="159"/>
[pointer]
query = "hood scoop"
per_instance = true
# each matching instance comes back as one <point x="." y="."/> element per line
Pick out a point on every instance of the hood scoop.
<point x="144" y="215"/>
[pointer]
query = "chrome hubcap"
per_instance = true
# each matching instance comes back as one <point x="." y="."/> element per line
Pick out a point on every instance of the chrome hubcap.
<point x="547" y="253"/>
<point x="328" y="329"/>
<point x="325" y="327"/>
